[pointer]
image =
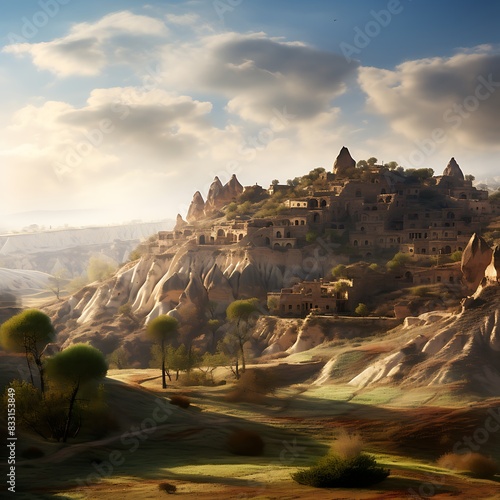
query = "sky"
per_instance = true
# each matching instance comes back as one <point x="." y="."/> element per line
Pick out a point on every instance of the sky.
<point x="121" y="110"/>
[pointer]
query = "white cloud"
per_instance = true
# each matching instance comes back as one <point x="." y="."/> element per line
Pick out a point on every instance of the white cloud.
<point x="189" y="19"/>
<point x="257" y="74"/>
<point x="88" y="47"/>
<point x="459" y="95"/>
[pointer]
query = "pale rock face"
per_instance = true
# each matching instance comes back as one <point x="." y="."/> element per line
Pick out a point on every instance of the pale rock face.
<point x="153" y="285"/>
<point x="447" y="348"/>
<point x="310" y="335"/>
<point x="475" y="259"/>
<point x="279" y="334"/>
<point x="218" y="288"/>
<point x="343" y="162"/>
<point x="179" y="223"/>
<point x="453" y="170"/>
<point x="197" y="208"/>
<point x="214" y="197"/>
<point x="219" y="195"/>
<point x="492" y="272"/>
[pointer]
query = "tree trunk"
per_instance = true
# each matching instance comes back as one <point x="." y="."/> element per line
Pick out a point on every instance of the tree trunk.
<point x="41" y="371"/>
<point x="237" y="370"/>
<point x="163" y="379"/>
<point x="243" y="365"/>
<point x="29" y="368"/>
<point x="70" y="411"/>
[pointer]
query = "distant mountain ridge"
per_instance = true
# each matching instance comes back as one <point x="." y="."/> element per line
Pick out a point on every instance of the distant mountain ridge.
<point x="60" y="239"/>
<point x="71" y="249"/>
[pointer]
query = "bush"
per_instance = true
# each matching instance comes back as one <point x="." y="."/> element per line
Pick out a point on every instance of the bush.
<point x="253" y="387"/>
<point x="334" y="471"/>
<point x="180" y="401"/>
<point x="479" y="465"/>
<point x="167" y="488"/>
<point x="361" y="310"/>
<point x="245" y="442"/>
<point x="420" y="291"/>
<point x="347" y="445"/>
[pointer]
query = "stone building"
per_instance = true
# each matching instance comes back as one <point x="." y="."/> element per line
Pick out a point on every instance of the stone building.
<point x="323" y="297"/>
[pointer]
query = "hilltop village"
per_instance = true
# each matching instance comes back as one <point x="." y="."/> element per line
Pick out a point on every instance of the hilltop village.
<point x="369" y="208"/>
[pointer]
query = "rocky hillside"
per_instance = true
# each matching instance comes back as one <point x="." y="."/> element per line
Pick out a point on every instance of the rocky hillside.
<point x="441" y="347"/>
<point x="184" y="282"/>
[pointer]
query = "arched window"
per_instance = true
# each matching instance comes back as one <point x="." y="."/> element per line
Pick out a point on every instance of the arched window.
<point x="355" y="243"/>
<point x="202" y="239"/>
<point x="220" y="233"/>
<point x="278" y="234"/>
<point x="323" y="204"/>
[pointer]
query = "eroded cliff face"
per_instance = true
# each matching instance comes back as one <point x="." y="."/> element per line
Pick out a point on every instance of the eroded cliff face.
<point x="182" y="283"/>
<point x="444" y="348"/>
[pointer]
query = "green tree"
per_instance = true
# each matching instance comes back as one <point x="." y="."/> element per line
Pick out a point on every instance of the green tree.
<point x="372" y="161"/>
<point x="29" y="332"/>
<point x="398" y="261"/>
<point x="163" y="330"/>
<point x="73" y="369"/>
<point x="240" y="313"/>
<point x="392" y="165"/>
<point x="273" y="303"/>
<point x="57" y="281"/>
<point x="361" y="310"/>
<point x="99" y="269"/>
<point x="213" y="325"/>
<point x="120" y="358"/>
<point x="339" y="271"/>
<point x="209" y="362"/>
<point x="311" y="236"/>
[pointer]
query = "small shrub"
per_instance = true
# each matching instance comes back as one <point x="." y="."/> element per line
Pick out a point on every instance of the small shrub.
<point x="347" y="445"/>
<point x="479" y="465"/>
<point x="334" y="471"/>
<point x="245" y="442"/>
<point x="420" y="291"/>
<point x="196" y="378"/>
<point x="167" y="487"/>
<point x="361" y="310"/>
<point x="253" y="387"/>
<point x="32" y="452"/>
<point x="181" y="401"/>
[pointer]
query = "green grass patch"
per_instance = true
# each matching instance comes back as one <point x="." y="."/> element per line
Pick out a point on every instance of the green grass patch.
<point x="377" y="396"/>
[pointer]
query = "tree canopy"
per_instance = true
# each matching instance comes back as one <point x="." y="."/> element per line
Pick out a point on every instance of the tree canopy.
<point x="77" y="365"/>
<point x="163" y="330"/>
<point x="29" y="332"/>
<point x="72" y="368"/>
